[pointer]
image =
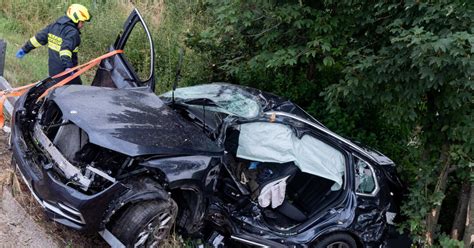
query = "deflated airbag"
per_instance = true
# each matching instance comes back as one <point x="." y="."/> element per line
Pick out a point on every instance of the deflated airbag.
<point x="276" y="143"/>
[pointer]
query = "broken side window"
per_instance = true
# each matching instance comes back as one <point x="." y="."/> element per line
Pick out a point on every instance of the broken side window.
<point x="365" y="178"/>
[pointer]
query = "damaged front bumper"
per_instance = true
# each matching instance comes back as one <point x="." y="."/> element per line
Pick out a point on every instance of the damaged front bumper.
<point x="62" y="203"/>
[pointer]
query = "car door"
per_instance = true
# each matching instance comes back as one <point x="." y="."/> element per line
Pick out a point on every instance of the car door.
<point x="371" y="205"/>
<point x="135" y="66"/>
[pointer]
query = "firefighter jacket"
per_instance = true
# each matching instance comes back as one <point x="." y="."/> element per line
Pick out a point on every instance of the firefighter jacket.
<point x="63" y="39"/>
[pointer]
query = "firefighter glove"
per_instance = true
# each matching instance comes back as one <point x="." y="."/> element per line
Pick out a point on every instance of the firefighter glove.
<point x="20" y="54"/>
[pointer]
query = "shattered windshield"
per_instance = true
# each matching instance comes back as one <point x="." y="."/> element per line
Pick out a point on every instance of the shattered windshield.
<point x="226" y="98"/>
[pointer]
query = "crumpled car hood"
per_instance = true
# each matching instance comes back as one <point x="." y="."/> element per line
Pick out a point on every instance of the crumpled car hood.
<point x="132" y="122"/>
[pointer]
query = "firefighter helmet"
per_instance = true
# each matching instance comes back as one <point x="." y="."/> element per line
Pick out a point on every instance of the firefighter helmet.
<point x="78" y="13"/>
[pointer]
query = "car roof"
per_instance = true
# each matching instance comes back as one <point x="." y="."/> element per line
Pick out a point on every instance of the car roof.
<point x="364" y="151"/>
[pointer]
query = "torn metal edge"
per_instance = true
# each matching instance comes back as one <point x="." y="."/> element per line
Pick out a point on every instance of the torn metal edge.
<point x="111" y="239"/>
<point x="9" y="103"/>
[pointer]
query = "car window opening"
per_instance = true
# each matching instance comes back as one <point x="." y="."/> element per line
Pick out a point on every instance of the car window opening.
<point x="365" y="181"/>
<point x="137" y="52"/>
<point x="277" y="143"/>
<point x="286" y="195"/>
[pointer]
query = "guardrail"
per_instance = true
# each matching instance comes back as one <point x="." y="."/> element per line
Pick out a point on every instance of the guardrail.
<point x="3" y="52"/>
<point x="4" y="85"/>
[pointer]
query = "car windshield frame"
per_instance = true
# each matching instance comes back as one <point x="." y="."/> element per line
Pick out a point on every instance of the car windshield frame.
<point x="227" y="98"/>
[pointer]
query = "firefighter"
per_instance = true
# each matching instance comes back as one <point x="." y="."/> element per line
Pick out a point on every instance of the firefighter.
<point x="63" y="38"/>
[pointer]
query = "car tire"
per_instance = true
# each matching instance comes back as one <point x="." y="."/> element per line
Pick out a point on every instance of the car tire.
<point x="338" y="240"/>
<point x="145" y="224"/>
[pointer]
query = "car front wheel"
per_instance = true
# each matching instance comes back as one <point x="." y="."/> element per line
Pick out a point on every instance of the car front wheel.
<point x="145" y="224"/>
<point x="338" y="240"/>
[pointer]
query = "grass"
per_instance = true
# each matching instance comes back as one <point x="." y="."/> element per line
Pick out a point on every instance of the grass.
<point x="30" y="68"/>
<point x="168" y="21"/>
<point x="19" y="20"/>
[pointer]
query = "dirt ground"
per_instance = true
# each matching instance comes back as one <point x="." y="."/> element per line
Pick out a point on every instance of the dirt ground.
<point x="22" y="221"/>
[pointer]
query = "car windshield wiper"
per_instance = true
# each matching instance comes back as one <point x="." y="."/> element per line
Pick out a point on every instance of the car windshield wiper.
<point x="201" y="101"/>
<point x="57" y="124"/>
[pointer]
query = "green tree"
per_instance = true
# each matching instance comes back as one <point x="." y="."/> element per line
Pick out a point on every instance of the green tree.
<point x="422" y="75"/>
<point x="293" y="49"/>
<point x="396" y="75"/>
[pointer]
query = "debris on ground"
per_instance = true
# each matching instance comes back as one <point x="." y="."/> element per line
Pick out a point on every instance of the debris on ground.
<point x="22" y="221"/>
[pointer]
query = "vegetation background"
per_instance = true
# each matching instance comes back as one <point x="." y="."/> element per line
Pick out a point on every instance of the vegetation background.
<point x="395" y="75"/>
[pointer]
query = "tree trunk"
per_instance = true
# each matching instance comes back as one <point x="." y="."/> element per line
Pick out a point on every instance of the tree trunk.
<point x="433" y="215"/>
<point x="469" y="231"/>
<point x="461" y="211"/>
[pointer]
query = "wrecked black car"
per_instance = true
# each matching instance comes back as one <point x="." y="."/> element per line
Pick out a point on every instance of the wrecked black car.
<point x="230" y="165"/>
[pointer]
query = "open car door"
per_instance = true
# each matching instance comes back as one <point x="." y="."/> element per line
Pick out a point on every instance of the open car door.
<point x="135" y="67"/>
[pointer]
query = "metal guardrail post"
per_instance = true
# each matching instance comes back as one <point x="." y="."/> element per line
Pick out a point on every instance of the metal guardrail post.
<point x="3" y="53"/>
<point x="4" y="85"/>
<point x="9" y="103"/>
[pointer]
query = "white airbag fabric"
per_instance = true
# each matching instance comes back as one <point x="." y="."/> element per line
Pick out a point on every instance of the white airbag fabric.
<point x="276" y="143"/>
<point x="273" y="193"/>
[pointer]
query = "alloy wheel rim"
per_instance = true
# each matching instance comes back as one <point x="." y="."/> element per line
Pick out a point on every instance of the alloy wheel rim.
<point x="155" y="231"/>
<point x="338" y="244"/>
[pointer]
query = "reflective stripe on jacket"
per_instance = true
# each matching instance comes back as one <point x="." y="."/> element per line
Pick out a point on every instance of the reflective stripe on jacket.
<point x="63" y="39"/>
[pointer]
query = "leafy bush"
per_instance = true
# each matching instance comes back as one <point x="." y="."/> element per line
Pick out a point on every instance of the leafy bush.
<point x="396" y="75"/>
